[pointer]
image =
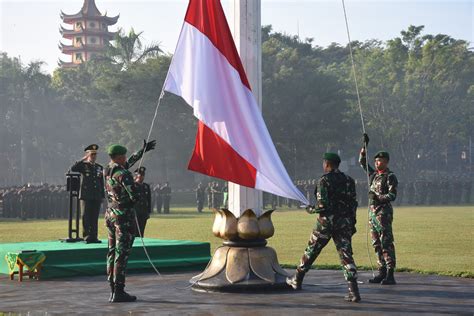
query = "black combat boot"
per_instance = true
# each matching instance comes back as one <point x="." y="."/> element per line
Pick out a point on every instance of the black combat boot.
<point x="354" y="295"/>
<point x="379" y="277"/>
<point x="296" y="280"/>
<point x="121" y="296"/>
<point x="112" y="290"/>
<point x="389" y="279"/>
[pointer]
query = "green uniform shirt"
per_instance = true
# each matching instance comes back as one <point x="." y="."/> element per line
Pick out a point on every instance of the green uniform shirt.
<point x="92" y="180"/>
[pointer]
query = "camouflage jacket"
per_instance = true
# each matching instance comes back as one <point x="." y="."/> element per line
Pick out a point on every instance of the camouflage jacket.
<point x="383" y="185"/>
<point x="335" y="194"/>
<point x="121" y="190"/>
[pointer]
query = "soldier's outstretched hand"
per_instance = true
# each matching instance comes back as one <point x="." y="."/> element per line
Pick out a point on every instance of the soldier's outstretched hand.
<point x="366" y="139"/>
<point x="310" y="209"/>
<point x="149" y="146"/>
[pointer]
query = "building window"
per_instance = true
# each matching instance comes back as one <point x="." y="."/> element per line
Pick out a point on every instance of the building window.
<point x="78" y="25"/>
<point x="79" y="56"/>
<point x="78" y="40"/>
<point x="104" y="26"/>
<point x="92" y="24"/>
<point x="93" y="40"/>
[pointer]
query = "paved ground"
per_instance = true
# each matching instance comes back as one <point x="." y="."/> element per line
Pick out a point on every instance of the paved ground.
<point x="171" y="295"/>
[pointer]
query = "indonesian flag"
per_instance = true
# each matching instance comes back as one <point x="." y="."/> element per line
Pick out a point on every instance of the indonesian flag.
<point x="232" y="141"/>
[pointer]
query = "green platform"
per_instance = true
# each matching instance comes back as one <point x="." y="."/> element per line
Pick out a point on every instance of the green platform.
<point x="80" y="259"/>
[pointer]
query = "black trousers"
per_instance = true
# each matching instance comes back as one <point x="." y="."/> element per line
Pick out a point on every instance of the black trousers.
<point x="166" y="205"/>
<point x="90" y="216"/>
<point x="142" y="219"/>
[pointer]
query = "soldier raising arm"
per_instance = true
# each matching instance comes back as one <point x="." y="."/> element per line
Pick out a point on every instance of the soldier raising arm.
<point x="383" y="190"/>
<point x="119" y="219"/>
<point x="91" y="192"/>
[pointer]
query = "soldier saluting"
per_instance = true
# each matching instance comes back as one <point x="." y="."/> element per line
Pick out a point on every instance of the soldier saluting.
<point x="383" y="190"/>
<point x="120" y="216"/>
<point x="91" y="192"/>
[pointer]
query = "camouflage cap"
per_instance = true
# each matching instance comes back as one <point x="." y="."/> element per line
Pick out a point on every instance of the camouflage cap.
<point x="116" y="149"/>
<point x="382" y="154"/>
<point x="332" y="157"/>
<point x="140" y="171"/>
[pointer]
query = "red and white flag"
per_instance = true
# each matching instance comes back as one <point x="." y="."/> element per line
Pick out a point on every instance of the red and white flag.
<point x="232" y="141"/>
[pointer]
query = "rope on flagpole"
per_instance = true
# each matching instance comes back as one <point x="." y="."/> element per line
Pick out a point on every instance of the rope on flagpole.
<point x="162" y="94"/>
<point x="363" y="130"/>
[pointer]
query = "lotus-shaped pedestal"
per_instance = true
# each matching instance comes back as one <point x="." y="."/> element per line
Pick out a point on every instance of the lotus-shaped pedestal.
<point x="243" y="262"/>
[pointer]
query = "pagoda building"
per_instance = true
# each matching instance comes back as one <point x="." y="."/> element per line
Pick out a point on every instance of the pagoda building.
<point x="89" y="34"/>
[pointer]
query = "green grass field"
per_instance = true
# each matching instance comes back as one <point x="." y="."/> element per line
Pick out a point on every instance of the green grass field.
<point x="427" y="239"/>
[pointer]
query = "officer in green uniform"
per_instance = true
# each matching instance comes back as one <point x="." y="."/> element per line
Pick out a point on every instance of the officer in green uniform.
<point x="91" y="193"/>
<point x="383" y="191"/>
<point x="120" y="216"/>
<point x="336" y="205"/>
<point x="143" y="204"/>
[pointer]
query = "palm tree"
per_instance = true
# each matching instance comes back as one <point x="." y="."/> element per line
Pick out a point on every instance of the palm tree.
<point x="128" y="49"/>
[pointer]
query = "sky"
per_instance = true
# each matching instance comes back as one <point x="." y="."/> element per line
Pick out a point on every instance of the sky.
<point x="30" y="29"/>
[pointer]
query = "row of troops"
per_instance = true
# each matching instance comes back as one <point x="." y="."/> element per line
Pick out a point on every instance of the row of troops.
<point x="161" y="198"/>
<point x="216" y="193"/>
<point x="34" y="202"/>
<point x="457" y="191"/>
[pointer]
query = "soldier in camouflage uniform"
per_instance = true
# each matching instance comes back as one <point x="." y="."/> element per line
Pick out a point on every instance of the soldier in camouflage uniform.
<point x="383" y="191"/>
<point x="143" y="204"/>
<point x="120" y="216"/>
<point x="336" y="205"/>
<point x="91" y="193"/>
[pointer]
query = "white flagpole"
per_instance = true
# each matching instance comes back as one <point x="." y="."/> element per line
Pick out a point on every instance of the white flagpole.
<point x="246" y="31"/>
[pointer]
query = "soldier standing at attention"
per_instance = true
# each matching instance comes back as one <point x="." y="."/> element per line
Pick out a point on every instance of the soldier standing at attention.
<point x="383" y="190"/>
<point x="200" y="197"/>
<point x="143" y="205"/>
<point x="336" y="205"/>
<point x="120" y="216"/>
<point x="166" y="193"/>
<point x="158" y="198"/>
<point x="209" y="195"/>
<point x="91" y="192"/>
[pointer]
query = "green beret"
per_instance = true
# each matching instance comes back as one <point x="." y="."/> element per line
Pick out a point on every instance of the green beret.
<point x="116" y="150"/>
<point x="382" y="154"/>
<point x="332" y="157"/>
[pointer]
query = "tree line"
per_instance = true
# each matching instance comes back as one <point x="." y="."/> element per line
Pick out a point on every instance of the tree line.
<point x="417" y="96"/>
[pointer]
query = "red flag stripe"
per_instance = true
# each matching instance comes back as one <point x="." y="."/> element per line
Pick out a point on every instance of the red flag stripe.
<point x="215" y="157"/>
<point x="208" y="17"/>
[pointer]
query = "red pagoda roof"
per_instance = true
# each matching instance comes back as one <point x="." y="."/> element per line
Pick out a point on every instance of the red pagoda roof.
<point x="66" y="64"/>
<point x="89" y="10"/>
<point x="69" y="49"/>
<point x="72" y="33"/>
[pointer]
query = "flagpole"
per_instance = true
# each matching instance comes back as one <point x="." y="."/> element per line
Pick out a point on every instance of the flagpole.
<point x="244" y="262"/>
<point x="247" y="33"/>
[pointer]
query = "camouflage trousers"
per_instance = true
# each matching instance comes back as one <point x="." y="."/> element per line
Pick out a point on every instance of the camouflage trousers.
<point x="380" y="223"/>
<point x="120" y="230"/>
<point x="340" y="229"/>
